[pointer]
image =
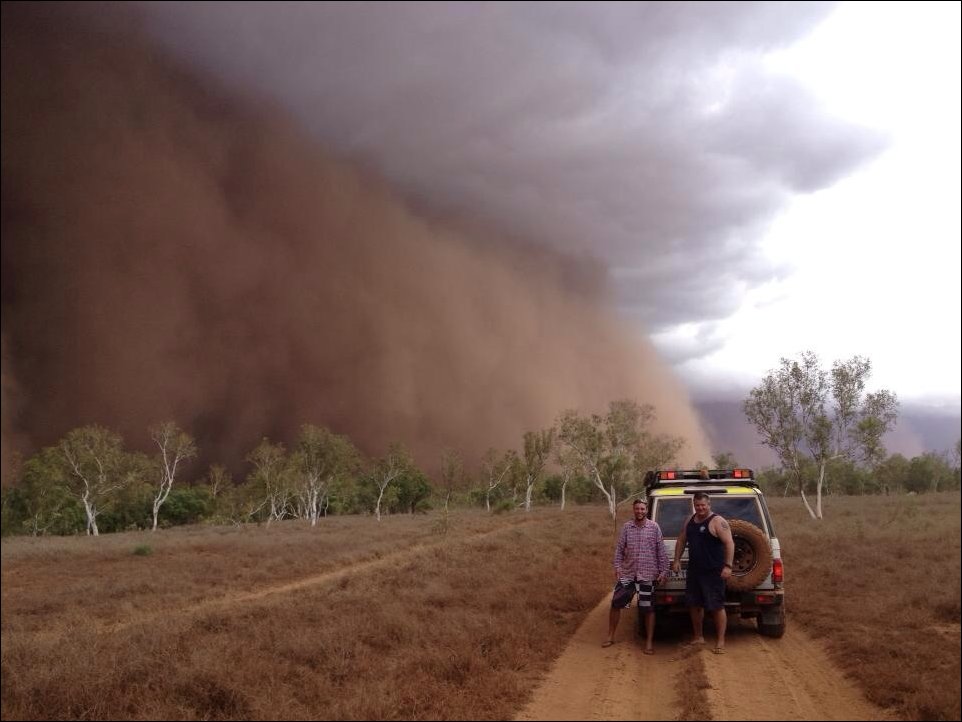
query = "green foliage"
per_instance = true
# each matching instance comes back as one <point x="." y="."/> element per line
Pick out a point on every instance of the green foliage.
<point x="803" y="413"/>
<point x="47" y="496"/>
<point x="578" y="491"/>
<point x="502" y="507"/>
<point x="41" y="502"/>
<point x="99" y="470"/>
<point x="143" y="550"/>
<point x="187" y="505"/>
<point x="537" y="446"/>
<point x="614" y="451"/>
<point x="320" y="463"/>
<point x="724" y="460"/>
<point x="412" y="492"/>
<point x="891" y="474"/>
<point x="929" y="472"/>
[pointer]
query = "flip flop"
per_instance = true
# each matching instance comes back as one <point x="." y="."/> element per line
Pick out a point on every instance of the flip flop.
<point x="719" y="650"/>
<point x="696" y="644"/>
<point x="649" y="651"/>
<point x="607" y="644"/>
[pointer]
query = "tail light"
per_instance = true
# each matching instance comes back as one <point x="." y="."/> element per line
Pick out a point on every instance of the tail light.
<point x="777" y="571"/>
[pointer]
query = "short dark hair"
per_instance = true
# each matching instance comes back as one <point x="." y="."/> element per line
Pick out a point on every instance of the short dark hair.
<point x="702" y="495"/>
<point x="639" y="501"/>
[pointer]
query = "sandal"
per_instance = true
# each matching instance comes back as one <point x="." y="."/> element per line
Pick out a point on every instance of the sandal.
<point x="719" y="650"/>
<point x="608" y="643"/>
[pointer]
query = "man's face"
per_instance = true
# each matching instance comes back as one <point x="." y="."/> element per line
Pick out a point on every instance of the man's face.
<point x="641" y="510"/>
<point x="702" y="508"/>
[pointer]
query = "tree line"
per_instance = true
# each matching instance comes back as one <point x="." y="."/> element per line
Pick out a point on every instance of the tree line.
<point x="90" y="483"/>
<point x="823" y="425"/>
<point x="826" y="430"/>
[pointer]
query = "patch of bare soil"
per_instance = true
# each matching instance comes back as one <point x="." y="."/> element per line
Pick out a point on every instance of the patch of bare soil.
<point x="589" y="682"/>
<point x="756" y="679"/>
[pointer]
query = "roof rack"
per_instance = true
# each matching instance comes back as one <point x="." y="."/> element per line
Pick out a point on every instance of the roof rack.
<point x="657" y="478"/>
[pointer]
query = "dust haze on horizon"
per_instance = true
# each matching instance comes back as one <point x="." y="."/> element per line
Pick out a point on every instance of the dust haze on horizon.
<point x="172" y="250"/>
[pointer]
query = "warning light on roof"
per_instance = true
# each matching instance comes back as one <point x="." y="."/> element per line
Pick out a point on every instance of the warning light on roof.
<point x="665" y="475"/>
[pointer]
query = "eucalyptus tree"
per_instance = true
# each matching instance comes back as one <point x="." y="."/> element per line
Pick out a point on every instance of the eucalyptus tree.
<point x="271" y="477"/>
<point x="536" y="453"/>
<point x="176" y="447"/>
<point x="451" y="474"/>
<point x="98" y="469"/>
<point x="802" y="411"/>
<point x="616" y="449"/>
<point x="387" y="469"/>
<point x="495" y="470"/>
<point x="319" y="459"/>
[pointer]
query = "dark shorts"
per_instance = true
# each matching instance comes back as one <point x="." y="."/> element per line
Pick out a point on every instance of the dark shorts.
<point x="705" y="589"/>
<point x="625" y="591"/>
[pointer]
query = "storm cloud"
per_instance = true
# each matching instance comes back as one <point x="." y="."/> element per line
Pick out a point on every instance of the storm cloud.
<point x="439" y="223"/>
<point x="172" y="251"/>
<point x="646" y="135"/>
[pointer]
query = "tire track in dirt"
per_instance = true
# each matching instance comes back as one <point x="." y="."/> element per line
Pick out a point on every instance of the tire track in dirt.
<point x="790" y="678"/>
<point x="234" y="599"/>
<point x="757" y="679"/>
<point x="240" y="599"/>
<point x="591" y="682"/>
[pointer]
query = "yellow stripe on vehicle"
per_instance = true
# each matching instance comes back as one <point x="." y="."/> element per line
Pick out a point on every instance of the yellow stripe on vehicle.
<point x="680" y="490"/>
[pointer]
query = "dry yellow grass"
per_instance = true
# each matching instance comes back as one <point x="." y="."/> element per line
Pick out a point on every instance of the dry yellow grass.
<point x="690" y="685"/>
<point x="356" y="619"/>
<point x="383" y="621"/>
<point x="879" y="581"/>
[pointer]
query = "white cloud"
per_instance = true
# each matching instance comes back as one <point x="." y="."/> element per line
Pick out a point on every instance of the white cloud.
<point x="876" y="257"/>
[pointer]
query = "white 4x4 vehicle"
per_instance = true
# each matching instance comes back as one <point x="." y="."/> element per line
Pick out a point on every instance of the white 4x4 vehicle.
<point x="755" y="589"/>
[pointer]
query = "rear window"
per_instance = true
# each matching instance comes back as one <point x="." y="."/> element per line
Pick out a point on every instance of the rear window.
<point x="672" y="513"/>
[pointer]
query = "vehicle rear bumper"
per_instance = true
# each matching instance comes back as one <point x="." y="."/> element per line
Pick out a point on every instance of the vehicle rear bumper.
<point x="750" y="603"/>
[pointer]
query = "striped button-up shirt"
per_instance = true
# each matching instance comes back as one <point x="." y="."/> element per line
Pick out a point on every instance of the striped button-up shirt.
<point x="640" y="552"/>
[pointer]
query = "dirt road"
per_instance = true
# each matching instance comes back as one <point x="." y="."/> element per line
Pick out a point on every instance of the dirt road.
<point x="757" y="679"/>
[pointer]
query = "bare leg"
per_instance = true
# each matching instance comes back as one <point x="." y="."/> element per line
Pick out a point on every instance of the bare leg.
<point x="649" y="630"/>
<point x="613" y="618"/>
<point x="721" y="623"/>
<point x="697" y="622"/>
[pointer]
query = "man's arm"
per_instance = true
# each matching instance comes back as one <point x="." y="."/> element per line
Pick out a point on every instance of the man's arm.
<point x="680" y="547"/>
<point x="620" y="552"/>
<point x="661" y="555"/>
<point x="723" y="531"/>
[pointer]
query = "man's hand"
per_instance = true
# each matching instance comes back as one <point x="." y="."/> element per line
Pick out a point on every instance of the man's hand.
<point x="617" y="576"/>
<point x="726" y="572"/>
<point x="661" y="578"/>
<point x="676" y="566"/>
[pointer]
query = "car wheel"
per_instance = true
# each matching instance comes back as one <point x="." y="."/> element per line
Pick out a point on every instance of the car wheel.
<point x="753" y="556"/>
<point x="772" y="624"/>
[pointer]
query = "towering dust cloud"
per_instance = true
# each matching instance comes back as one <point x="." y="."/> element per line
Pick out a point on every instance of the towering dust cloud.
<point x="171" y="252"/>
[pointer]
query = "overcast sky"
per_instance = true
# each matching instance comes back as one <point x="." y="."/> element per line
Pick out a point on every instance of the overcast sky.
<point x="759" y="178"/>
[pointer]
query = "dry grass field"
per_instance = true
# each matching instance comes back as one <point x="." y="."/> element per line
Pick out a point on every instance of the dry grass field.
<point x="350" y="620"/>
<point x="360" y="620"/>
<point x="878" y="580"/>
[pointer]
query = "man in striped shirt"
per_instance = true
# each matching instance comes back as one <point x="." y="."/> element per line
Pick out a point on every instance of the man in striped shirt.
<point x="640" y="563"/>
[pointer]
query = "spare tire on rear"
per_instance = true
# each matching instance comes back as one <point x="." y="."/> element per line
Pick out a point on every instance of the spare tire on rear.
<point x="753" y="556"/>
